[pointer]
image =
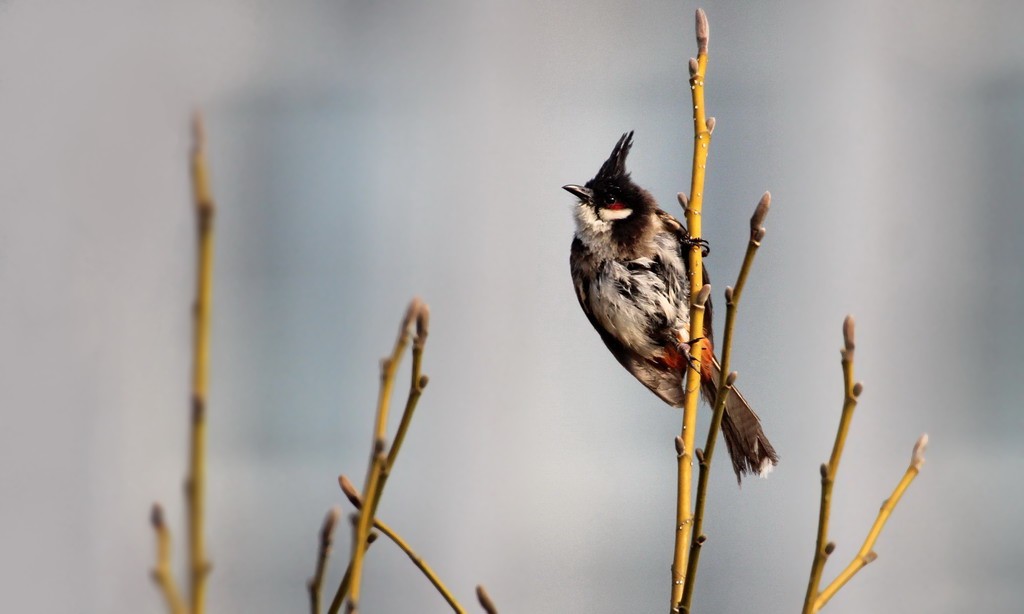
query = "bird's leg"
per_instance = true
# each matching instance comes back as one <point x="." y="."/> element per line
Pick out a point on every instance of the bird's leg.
<point x="686" y="346"/>
<point x="705" y="247"/>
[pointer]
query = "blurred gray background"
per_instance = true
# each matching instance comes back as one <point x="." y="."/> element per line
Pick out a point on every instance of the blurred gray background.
<point x="365" y="152"/>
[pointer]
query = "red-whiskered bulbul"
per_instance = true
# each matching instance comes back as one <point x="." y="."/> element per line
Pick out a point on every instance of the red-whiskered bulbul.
<point x="630" y="269"/>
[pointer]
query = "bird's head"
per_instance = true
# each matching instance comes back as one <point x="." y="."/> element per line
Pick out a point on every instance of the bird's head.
<point x="611" y="200"/>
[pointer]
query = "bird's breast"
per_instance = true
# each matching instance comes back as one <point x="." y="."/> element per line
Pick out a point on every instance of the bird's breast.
<point x="643" y="302"/>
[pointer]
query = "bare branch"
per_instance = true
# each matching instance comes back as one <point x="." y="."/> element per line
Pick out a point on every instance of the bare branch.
<point x="866" y="555"/>
<point x="162" y="571"/>
<point x="323" y="553"/>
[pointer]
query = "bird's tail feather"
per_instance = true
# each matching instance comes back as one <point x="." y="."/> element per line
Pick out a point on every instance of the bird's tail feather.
<point x="748" y="446"/>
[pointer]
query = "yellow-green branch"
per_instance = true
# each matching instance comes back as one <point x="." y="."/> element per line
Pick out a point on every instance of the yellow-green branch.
<point x="195" y="482"/>
<point x="725" y="387"/>
<point x="346" y="579"/>
<point x="814" y="600"/>
<point x="380" y="525"/>
<point x="417" y="383"/>
<point x="323" y="554"/>
<point x="704" y="461"/>
<point x="823" y="548"/>
<point x="420" y="564"/>
<point x="380" y="462"/>
<point x="866" y="554"/>
<point x="362" y="531"/>
<point x="162" y="570"/>
<point x="701" y="142"/>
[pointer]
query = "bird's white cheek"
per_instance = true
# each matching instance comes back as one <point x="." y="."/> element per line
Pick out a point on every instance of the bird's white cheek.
<point x="588" y="221"/>
<point x="608" y="215"/>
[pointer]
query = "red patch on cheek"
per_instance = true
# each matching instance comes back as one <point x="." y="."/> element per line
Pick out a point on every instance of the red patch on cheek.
<point x="616" y="206"/>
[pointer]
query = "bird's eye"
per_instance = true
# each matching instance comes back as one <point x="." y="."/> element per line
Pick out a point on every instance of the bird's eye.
<point x="611" y="201"/>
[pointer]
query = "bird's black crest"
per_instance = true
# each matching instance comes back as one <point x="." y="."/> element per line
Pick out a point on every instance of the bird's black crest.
<point x="615" y="166"/>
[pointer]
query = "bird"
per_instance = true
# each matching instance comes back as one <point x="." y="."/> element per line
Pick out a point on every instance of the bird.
<point x="630" y="271"/>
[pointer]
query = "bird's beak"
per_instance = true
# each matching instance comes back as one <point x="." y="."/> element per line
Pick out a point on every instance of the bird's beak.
<point x="579" y="192"/>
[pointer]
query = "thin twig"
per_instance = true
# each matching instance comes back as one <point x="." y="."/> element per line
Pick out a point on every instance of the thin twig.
<point x="195" y="482"/>
<point x="377" y="469"/>
<point x="323" y="553"/>
<point x="866" y="554"/>
<point x="702" y="139"/>
<point x="417" y="383"/>
<point x="380" y="525"/>
<point x="339" y="596"/>
<point x="704" y="463"/>
<point x="823" y="548"/>
<point x="725" y="387"/>
<point x="420" y="564"/>
<point x="361" y="533"/>
<point x="162" y="570"/>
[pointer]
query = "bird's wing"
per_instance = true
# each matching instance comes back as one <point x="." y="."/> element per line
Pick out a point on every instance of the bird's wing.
<point x="679" y="229"/>
<point x="662" y="381"/>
